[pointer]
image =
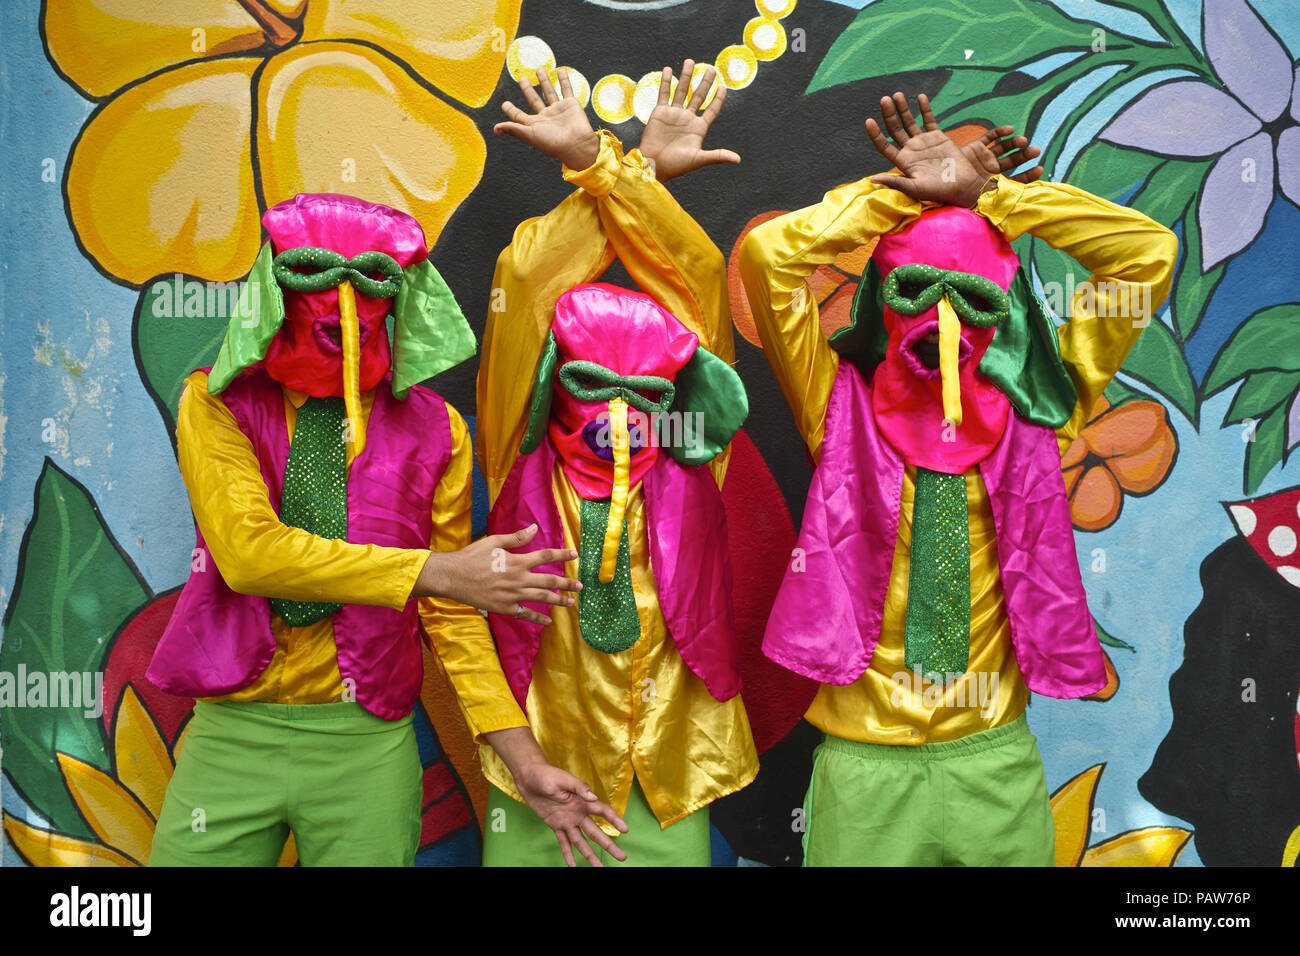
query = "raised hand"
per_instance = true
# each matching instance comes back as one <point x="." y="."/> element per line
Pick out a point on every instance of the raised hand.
<point x="558" y="125"/>
<point x="486" y="575"/>
<point x="674" y="134"/>
<point x="935" y="169"/>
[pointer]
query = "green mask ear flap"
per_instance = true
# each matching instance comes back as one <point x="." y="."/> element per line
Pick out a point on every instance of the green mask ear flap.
<point x="430" y="333"/>
<point x="539" y="409"/>
<point x="257" y="318"/>
<point x="709" y="408"/>
<point x="1024" y="360"/>
<point x="864" y="341"/>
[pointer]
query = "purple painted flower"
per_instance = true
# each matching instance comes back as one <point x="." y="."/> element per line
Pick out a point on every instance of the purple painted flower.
<point x="1246" y="124"/>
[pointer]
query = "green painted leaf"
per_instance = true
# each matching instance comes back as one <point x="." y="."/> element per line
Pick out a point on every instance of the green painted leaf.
<point x="1110" y="171"/>
<point x="75" y="588"/>
<point x="1261" y="392"/>
<point x="1169" y="191"/>
<point x="1193" y="287"/>
<point x="1269" y="339"/>
<point x="1158" y="361"/>
<point x="1266" y="449"/>
<point x="1118" y="392"/>
<point x="179" y="326"/>
<point x="1111" y="640"/>
<point x="902" y="36"/>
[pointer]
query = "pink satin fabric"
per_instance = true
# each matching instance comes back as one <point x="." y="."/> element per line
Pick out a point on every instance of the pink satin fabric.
<point x="218" y="641"/>
<point x="628" y="333"/>
<point x="907" y="396"/>
<point x="302" y="356"/>
<point x="826" y="621"/>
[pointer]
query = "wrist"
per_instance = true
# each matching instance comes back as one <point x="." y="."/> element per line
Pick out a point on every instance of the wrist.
<point x="432" y="579"/>
<point x="583" y="155"/>
<point x="986" y="184"/>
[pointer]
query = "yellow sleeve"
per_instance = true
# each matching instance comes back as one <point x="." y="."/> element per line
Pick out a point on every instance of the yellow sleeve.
<point x="547" y="256"/>
<point x="776" y="259"/>
<point x="1130" y="258"/>
<point x="666" y="252"/>
<point x="459" y="634"/>
<point x="254" y="552"/>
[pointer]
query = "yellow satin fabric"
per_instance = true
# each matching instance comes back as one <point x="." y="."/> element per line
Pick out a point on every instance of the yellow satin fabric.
<point x="589" y="710"/>
<point x="1122" y="248"/>
<point x="607" y="717"/>
<point x="256" y="554"/>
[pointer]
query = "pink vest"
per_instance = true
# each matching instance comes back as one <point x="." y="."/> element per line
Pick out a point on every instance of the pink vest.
<point x="219" y="641"/>
<point x="827" y="617"/>
<point x="687" y="531"/>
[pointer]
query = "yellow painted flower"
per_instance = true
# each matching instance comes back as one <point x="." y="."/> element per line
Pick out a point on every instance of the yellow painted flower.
<point x="1072" y="808"/>
<point x="214" y="109"/>
<point x="121" y="809"/>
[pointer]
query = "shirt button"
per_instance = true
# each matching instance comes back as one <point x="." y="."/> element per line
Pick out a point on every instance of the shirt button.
<point x="915" y="732"/>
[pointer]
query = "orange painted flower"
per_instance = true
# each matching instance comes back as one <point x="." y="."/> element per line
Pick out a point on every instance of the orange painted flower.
<point x="1125" y="449"/>
<point x="213" y="110"/>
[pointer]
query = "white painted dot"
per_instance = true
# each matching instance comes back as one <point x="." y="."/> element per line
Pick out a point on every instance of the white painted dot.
<point x="765" y="37"/>
<point x="737" y="70"/>
<point x="611" y="98"/>
<point x="1297" y="507"/>
<point x="1290" y="574"/>
<point x="534" y="52"/>
<point x="1281" y="540"/>
<point x="1244" y="517"/>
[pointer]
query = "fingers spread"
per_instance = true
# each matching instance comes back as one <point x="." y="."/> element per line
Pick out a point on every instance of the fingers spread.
<point x="548" y="91"/>
<point x="702" y="89"/>
<point x="931" y="124"/>
<point x="665" y="86"/>
<point x="602" y="839"/>
<point x="564" y="847"/>
<point x="889" y="112"/>
<point x="900" y="101"/>
<point x="883" y="146"/>
<point x="530" y="95"/>
<point x="684" y="83"/>
<point x="575" y="835"/>
<point x="549" y="556"/>
<point x="566" y="88"/>
<point x="715" y="107"/>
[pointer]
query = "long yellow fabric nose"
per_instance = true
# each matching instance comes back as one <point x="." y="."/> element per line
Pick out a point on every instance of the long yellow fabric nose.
<point x="949" y="343"/>
<point x="618" y="493"/>
<point x="350" y="339"/>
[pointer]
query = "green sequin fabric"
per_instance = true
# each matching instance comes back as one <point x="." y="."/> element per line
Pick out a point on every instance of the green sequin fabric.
<point x="936" y="638"/>
<point x="327" y="269"/>
<point x="607" y="614"/>
<point x="315" y="493"/>
<point x="591" y="382"/>
<point x="934" y="283"/>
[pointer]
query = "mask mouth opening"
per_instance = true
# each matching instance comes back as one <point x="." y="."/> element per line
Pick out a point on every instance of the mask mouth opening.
<point x="920" y="349"/>
<point x="328" y="333"/>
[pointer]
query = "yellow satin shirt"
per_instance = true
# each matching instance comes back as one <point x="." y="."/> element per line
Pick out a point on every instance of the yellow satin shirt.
<point x="608" y="718"/>
<point x="1126" y="253"/>
<point x="257" y="554"/>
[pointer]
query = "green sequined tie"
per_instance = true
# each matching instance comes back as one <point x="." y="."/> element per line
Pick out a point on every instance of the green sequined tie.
<point x="937" y="633"/>
<point x="315" y="494"/>
<point x="607" y="614"/>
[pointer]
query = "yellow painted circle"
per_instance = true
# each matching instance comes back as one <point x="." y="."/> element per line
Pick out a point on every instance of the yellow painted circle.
<point x="611" y="98"/>
<point x="527" y="55"/>
<point x="581" y="88"/>
<point x="765" y="37"/>
<point x="647" y="94"/>
<point x="776" y="9"/>
<point x="698" y="76"/>
<point x="738" y="66"/>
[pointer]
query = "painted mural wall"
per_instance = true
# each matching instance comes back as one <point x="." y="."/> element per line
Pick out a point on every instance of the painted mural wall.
<point x="142" y="139"/>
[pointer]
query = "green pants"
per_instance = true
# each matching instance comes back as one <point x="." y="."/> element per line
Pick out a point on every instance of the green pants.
<point x="345" y="783"/>
<point x="514" y="836"/>
<point x="978" y="801"/>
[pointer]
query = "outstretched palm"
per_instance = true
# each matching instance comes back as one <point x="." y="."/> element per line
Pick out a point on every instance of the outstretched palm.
<point x="674" y="134"/>
<point x="933" y="167"/>
<point x="558" y="125"/>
